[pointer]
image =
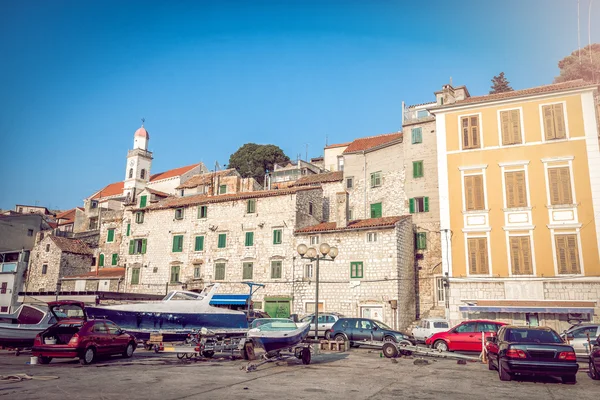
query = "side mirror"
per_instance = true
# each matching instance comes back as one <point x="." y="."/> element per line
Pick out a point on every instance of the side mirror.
<point x="490" y="339"/>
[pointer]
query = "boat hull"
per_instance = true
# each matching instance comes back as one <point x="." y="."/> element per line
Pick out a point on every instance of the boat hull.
<point x="284" y="340"/>
<point x="19" y="336"/>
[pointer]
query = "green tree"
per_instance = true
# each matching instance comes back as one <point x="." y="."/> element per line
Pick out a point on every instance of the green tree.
<point x="579" y="65"/>
<point x="253" y="160"/>
<point x="500" y="84"/>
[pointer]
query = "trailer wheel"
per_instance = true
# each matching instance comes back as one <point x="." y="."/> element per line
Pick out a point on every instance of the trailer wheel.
<point x="248" y="352"/>
<point x="405" y="352"/>
<point x="306" y="356"/>
<point x="390" y="350"/>
<point x="208" y="353"/>
<point x="181" y="356"/>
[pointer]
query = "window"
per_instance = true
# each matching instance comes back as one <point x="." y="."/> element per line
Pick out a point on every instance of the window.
<point x="585" y="332"/>
<point x="135" y="276"/>
<point x="417" y="169"/>
<point x="182" y="192"/>
<point x="340" y="163"/>
<point x="100" y="327"/>
<point x="111" y="236"/>
<point x="257" y="305"/>
<point x="139" y="217"/>
<point x="478" y="256"/>
<point x="440" y="290"/>
<point x="308" y="271"/>
<point x="101" y="260"/>
<point x="202" y="211"/>
<point x="356" y="269"/>
<point x="510" y="127"/>
<point x="487" y="327"/>
<point x="309" y="306"/>
<point x="247" y="270"/>
<point x="417" y="135"/>
<point x="559" y="180"/>
<point x="143" y="200"/>
<point x="47" y="248"/>
<point x="418" y="205"/>
<point x="516" y="190"/>
<point x="130" y="173"/>
<point x="350" y="215"/>
<point x="421" y="240"/>
<point x="26" y="256"/>
<point x="93" y="223"/>
<point x="277" y="236"/>
<point x="314" y="240"/>
<point x="422" y="113"/>
<point x="177" y="243"/>
<point x="3" y="287"/>
<point x="251" y="206"/>
<point x="112" y="328"/>
<point x="222" y="243"/>
<point x="466" y="327"/>
<point x="375" y="179"/>
<point x="275" y="269"/>
<point x="376" y="210"/>
<point x="554" y="122"/>
<point x="567" y="254"/>
<point x="197" y="271"/>
<point x="223" y="189"/>
<point x="349" y="183"/>
<point x="115" y="259"/>
<point x="199" y="243"/>
<point x="470" y="132"/>
<point x="143" y="174"/>
<point x="474" y="196"/>
<point x="128" y="229"/>
<point x="137" y="246"/>
<point x="179" y="213"/>
<point x="21" y="210"/>
<point x="29" y="232"/>
<point x="219" y="271"/>
<point x="44" y="269"/>
<point x="9" y="267"/>
<point x="174" y="273"/>
<point x="310" y="208"/>
<point x="371" y="237"/>
<point x="520" y="255"/>
<point x="249" y="239"/>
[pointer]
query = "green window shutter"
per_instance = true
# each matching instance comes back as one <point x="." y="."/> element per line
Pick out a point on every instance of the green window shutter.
<point x="199" y="244"/>
<point x="277" y="236"/>
<point x="115" y="259"/>
<point x="101" y="260"/>
<point x="131" y="246"/>
<point x="275" y="269"/>
<point x="203" y="212"/>
<point x="376" y="210"/>
<point x="417" y="169"/>
<point x="247" y="270"/>
<point x="356" y="269"/>
<point x="178" y="243"/>
<point x="372" y="180"/>
<point x="143" y="246"/>
<point x="111" y="235"/>
<point x="411" y="203"/>
<point x="219" y="271"/>
<point x="143" y="201"/>
<point x="421" y="240"/>
<point x="249" y="239"/>
<point x="135" y="276"/>
<point x="426" y="204"/>
<point x="222" y="240"/>
<point x="417" y="136"/>
<point x="128" y="229"/>
<point x="174" y="274"/>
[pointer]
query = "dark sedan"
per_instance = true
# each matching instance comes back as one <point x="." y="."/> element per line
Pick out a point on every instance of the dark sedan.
<point x="595" y="359"/>
<point x="362" y="330"/>
<point x="531" y="351"/>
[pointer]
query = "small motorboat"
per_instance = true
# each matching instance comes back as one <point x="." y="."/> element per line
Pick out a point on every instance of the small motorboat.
<point x="20" y="328"/>
<point x="274" y="334"/>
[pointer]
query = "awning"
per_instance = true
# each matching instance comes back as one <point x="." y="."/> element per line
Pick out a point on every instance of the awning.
<point x="229" y="299"/>
<point x="529" y="306"/>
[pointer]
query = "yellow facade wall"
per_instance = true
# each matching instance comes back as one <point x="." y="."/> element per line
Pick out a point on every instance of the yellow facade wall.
<point x="534" y="151"/>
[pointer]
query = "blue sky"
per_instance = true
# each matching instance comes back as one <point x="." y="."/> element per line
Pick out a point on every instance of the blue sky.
<point x="209" y="76"/>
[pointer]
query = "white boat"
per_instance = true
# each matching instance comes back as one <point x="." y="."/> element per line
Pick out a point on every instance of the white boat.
<point x="20" y="328"/>
<point x="275" y="334"/>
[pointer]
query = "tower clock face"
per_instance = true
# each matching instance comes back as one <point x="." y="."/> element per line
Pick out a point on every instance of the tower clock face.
<point x="131" y="162"/>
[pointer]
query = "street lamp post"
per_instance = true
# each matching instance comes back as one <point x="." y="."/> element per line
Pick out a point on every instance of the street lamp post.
<point x="313" y="255"/>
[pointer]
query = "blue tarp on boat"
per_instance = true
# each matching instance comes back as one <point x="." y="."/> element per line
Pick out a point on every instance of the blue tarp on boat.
<point x="229" y="299"/>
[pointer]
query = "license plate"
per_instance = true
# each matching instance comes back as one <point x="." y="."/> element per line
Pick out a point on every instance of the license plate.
<point x="169" y="348"/>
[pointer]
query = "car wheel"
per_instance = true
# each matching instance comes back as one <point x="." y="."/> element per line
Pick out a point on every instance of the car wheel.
<point x="129" y="351"/>
<point x="327" y="335"/>
<point x="208" y="353"/>
<point x="440" y="345"/>
<point x="594" y="374"/>
<point x="88" y="356"/>
<point x="340" y="338"/>
<point x="571" y="379"/>
<point x="504" y="376"/>
<point x="390" y="350"/>
<point x="44" y="360"/>
<point x="491" y="366"/>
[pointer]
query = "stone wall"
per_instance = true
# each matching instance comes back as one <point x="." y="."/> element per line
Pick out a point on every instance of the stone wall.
<point x="92" y="285"/>
<point x="112" y="219"/>
<point x="429" y="269"/>
<point x="406" y="273"/>
<point x="329" y="191"/>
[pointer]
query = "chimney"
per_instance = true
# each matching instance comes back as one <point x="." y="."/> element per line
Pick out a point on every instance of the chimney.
<point x="341" y="211"/>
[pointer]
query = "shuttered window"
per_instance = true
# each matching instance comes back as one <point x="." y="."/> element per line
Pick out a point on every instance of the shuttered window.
<point x="417" y="135"/>
<point x="510" y="124"/>
<point x="421" y="240"/>
<point x="470" y="132"/>
<point x="567" y="254"/>
<point x="417" y="169"/>
<point x="474" y="196"/>
<point x="101" y="260"/>
<point x="356" y="269"/>
<point x="143" y="200"/>
<point x="478" y="256"/>
<point x="202" y="211"/>
<point x="375" y="179"/>
<point x="128" y="229"/>
<point x="251" y="206"/>
<point x="247" y="268"/>
<point x="277" y="236"/>
<point x="222" y="241"/>
<point x="516" y="190"/>
<point x="520" y="255"/>
<point x="175" y="273"/>
<point x="249" y="239"/>
<point x="199" y="243"/>
<point x="135" y="276"/>
<point x="115" y="259"/>
<point x="554" y="122"/>
<point x="559" y="180"/>
<point x="177" y="244"/>
<point x="219" y="271"/>
<point x="111" y="235"/>
<point x="376" y="210"/>
<point x="275" y="269"/>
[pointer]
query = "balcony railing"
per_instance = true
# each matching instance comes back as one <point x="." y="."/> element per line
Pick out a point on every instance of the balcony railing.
<point x="416" y="115"/>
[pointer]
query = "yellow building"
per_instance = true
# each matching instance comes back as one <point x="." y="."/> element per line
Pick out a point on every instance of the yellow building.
<point x="520" y="204"/>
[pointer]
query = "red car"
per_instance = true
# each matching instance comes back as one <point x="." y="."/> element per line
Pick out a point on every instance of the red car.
<point x="465" y="336"/>
<point x="74" y="336"/>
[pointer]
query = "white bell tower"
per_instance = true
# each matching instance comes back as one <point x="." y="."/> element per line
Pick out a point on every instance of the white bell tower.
<point x="139" y="161"/>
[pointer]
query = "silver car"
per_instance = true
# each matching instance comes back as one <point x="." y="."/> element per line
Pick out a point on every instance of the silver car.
<point x="326" y="321"/>
<point x="577" y="337"/>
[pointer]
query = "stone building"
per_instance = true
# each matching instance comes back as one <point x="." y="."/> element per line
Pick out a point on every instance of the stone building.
<point x="331" y="183"/>
<point x="103" y="280"/>
<point x="53" y="258"/>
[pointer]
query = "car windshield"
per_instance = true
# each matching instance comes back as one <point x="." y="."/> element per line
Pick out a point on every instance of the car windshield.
<point x="307" y="319"/>
<point x="532" y="336"/>
<point x="440" y="325"/>
<point x="274" y="324"/>
<point x="182" y="296"/>
<point x="63" y="311"/>
<point x="382" y="325"/>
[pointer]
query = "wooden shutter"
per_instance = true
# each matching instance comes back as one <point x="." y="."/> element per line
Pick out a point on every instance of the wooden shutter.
<point x="560" y="131"/>
<point x="143" y="201"/>
<point x="131" y="246"/>
<point x="101" y="260"/>
<point x="199" y="245"/>
<point x="482" y="256"/>
<point x="376" y="210"/>
<point x="249" y="238"/>
<point x="469" y="195"/>
<point x="472" y="249"/>
<point x="515" y="255"/>
<point x="516" y="190"/>
<point x="474" y="196"/>
<point x="135" y="276"/>
<point x="474" y="131"/>
<point x="515" y="126"/>
<point x="115" y="258"/>
<point x="425" y="204"/>
<point x="222" y="241"/>
<point x="111" y="235"/>
<point x="411" y="205"/>
<point x="505" y="127"/>
<point x="520" y="252"/>
<point x="573" y="253"/>
<point x="526" y="254"/>
<point x="561" y="253"/>
<point x="559" y="180"/>
<point x="465" y="132"/>
<point x="144" y="241"/>
<point x="128" y="229"/>
<point x="548" y="122"/>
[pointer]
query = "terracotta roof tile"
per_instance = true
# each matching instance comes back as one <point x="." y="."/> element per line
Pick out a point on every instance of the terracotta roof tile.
<point x="172" y="173"/>
<point x="110" y="190"/>
<point x="69" y="214"/>
<point x="370" y="142"/>
<point x="384" y="222"/>
<point x="75" y="246"/>
<point x="336" y="176"/>
<point x="204" y="179"/>
<point x="157" y="192"/>
<point x="102" y="273"/>
<point x="556" y="87"/>
<point x="332" y="146"/>
<point x="176" y="202"/>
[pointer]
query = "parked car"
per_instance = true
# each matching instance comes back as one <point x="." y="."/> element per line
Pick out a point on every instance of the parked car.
<point x="428" y="326"/>
<point x="357" y="330"/>
<point x="465" y="336"/>
<point x="594" y="360"/>
<point x="326" y="321"/>
<point x="528" y="350"/>
<point x="74" y="336"/>
<point x="577" y="336"/>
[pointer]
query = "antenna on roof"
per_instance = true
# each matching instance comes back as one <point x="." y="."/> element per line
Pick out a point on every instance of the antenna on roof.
<point x="450" y="81"/>
<point x="143" y="120"/>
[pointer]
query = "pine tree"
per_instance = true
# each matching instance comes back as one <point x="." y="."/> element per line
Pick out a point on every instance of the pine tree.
<point x="500" y="84"/>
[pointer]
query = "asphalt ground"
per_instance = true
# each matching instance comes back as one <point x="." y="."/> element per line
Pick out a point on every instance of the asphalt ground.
<point x="357" y="374"/>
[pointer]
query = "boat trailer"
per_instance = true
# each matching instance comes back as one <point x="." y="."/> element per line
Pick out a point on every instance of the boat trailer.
<point x="301" y="351"/>
<point x="207" y="343"/>
<point x="392" y="350"/>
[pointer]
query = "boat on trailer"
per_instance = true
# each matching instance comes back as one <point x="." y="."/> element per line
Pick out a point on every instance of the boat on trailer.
<point x="18" y="330"/>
